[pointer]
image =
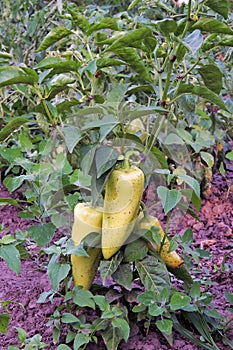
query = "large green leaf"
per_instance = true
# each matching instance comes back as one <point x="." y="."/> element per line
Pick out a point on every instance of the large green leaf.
<point x="57" y="272"/>
<point x="136" y="250"/>
<point x="221" y="7"/>
<point x="212" y="77"/>
<point x="212" y="25"/>
<point x="11" y="255"/>
<point x="12" y="183"/>
<point x="79" y="20"/>
<point x="123" y="326"/>
<point x="130" y="38"/>
<point x="42" y="234"/>
<point x="105" y="158"/>
<point x="54" y="36"/>
<point x="107" y="22"/>
<point x="112" y="337"/>
<point x="72" y="136"/>
<point x="153" y="274"/>
<point x="167" y="26"/>
<point x="15" y="75"/>
<point x="132" y="58"/>
<point x="203" y="92"/>
<point x="59" y="65"/>
<point x="179" y="301"/>
<point x="13" y="125"/>
<point x="80" y="339"/>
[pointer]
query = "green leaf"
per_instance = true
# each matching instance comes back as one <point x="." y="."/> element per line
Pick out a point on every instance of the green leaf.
<point x="193" y="183"/>
<point x="11" y="255"/>
<point x="133" y="4"/>
<point x="147" y="298"/>
<point x="108" y="62"/>
<point x="13" y="125"/>
<point x="156" y="310"/>
<point x="182" y="274"/>
<point x="132" y="58"/>
<point x="192" y="197"/>
<point x="63" y="347"/>
<point x="212" y="25"/>
<point x="186" y="333"/>
<point x="69" y="318"/>
<point x="130" y="38"/>
<point x="167" y="26"/>
<point x="123" y="326"/>
<point x="72" y="137"/>
<point x="84" y="298"/>
<point x="7" y="201"/>
<point x="136" y="250"/>
<point x="4" y="322"/>
<point x="105" y="158"/>
<point x="141" y="112"/>
<point x="202" y="92"/>
<point x="80" y="339"/>
<point x="112" y="336"/>
<point x="108" y="121"/>
<point x="179" y="301"/>
<point x="212" y="77"/>
<point x="12" y="183"/>
<point x="229" y="297"/>
<point x="79" y="20"/>
<point x="208" y="158"/>
<point x="153" y="274"/>
<point x="57" y="273"/>
<point x="199" y="322"/>
<point x="165" y="326"/>
<point x="195" y="290"/>
<point x="14" y="75"/>
<point x="124" y="276"/>
<point x="7" y="239"/>
<point x="169" y="198"/>
<point x="221" y="7"/>
<point x="42" y="234"/>
<point x="107" y="22"/>
<point x="229" y="155"/>
<point x="108" y="267"/>
<point x="52" y="37"/>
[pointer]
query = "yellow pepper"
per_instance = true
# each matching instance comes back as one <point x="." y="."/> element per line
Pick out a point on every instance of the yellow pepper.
<point x="172" y="259"/>
<point x="123" y="193"/>
<point x="86" y="220"/>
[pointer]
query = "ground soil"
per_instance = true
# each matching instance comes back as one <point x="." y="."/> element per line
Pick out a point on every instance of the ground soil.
<point x="213" y="232"/>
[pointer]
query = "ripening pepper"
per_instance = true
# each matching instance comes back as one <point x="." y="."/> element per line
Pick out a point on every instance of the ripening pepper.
<point x="86" y="220"/>
<point x="172" y="259"/>
<point x="123" y="193"/>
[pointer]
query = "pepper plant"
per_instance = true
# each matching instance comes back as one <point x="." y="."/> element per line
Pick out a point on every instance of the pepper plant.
<point x="74" y="111"/>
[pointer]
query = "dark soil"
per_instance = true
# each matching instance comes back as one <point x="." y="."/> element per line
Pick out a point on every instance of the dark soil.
<point x="213" y="233"/>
